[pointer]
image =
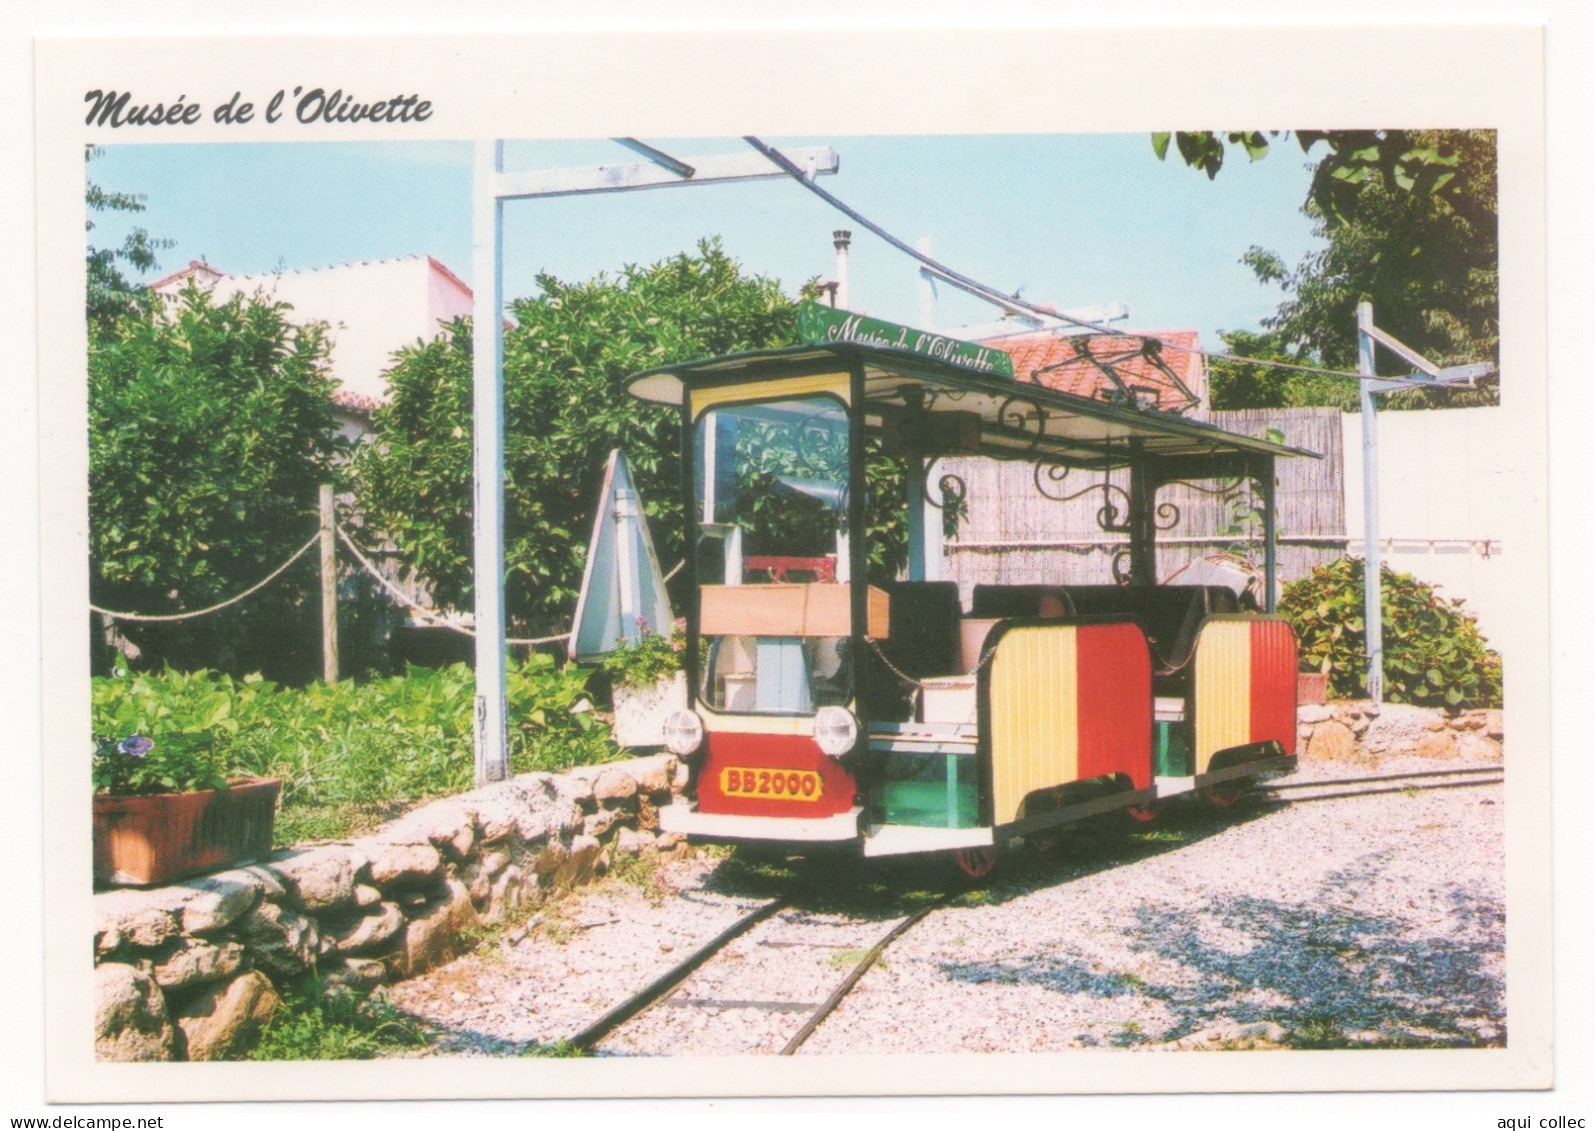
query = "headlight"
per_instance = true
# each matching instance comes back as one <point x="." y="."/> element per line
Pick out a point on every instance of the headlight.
<point x="836" y="730"/>
<point x="683" y="732"/>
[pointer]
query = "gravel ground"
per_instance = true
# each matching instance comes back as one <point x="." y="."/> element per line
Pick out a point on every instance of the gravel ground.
<point x="1355" y="922"/>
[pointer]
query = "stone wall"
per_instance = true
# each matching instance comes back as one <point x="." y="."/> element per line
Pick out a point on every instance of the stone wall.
<point x="193" y="971"/>
<point x="1365" y="733"/>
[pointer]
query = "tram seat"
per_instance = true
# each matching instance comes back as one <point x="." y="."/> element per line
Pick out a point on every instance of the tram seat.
<point x="1170" y="615"/>
<point x="922" y="641"/>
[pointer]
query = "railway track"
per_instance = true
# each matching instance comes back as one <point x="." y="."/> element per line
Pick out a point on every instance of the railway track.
<point x="1368" y="786"/>
<point x="797" y="949"/>
<point x="697" y="1007"/>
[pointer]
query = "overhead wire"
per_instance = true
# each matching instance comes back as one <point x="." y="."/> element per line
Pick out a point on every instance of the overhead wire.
<point x="998" y="297"/>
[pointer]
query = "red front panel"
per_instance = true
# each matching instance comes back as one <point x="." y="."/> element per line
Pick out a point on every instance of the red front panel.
<point x="790" y="777"/>
<point x="1274" y="683"/>
<point x="1115" y="702"/>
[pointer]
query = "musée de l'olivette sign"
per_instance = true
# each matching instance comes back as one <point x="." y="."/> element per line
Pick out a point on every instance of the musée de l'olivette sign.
<point x="822" y="325"/>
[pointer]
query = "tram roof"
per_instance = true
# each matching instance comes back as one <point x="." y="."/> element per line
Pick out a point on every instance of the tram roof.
<point x="1018" y="419"/>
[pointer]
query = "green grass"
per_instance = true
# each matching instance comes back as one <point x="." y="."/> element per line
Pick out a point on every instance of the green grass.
<point x="310" y="1025"/>
<point x="351" y="756"/>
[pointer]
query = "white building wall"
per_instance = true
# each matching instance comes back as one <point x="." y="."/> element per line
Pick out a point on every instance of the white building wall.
<point x="372" y="309"/>
<point x="1449" y="493"/>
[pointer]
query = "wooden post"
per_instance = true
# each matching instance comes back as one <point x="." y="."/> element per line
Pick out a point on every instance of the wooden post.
<point x="329" y="589"/>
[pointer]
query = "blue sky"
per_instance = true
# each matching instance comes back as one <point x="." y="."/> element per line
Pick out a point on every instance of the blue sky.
<point x="1068" y="220"/>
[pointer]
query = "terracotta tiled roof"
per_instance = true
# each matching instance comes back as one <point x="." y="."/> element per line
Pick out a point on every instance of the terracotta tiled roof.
<point x="355" y="402"/>
<point x="1057" y="361"/>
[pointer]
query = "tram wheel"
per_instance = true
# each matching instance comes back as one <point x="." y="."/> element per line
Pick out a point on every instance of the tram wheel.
<point x="1224" y="795"/>
<point x="976" y="862"/>
<point x="1145" y="814"/>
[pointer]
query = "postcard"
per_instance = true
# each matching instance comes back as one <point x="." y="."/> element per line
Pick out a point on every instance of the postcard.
<point x="886" y="616"/>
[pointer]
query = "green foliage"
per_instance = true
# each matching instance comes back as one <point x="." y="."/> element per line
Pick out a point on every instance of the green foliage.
<point x="342" y="1025"/>
<point x="1236" y="384"/>
<point x="1409" y="217"/>
<point x="567" y="359"/>
<point x="136" y="765"/>
<point x="110" y="294"/>
<point x="210" y="431"/>
<point x="1434" y="653"/>
<point x="350" y="754"/>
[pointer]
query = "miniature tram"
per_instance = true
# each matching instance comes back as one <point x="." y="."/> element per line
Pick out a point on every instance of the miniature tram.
<point x="831" y="702"/>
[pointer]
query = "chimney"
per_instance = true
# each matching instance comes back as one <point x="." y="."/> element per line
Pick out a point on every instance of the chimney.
<point x="841" y="238"/>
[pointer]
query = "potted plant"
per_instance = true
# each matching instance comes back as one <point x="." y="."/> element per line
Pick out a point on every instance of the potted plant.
<point x="1313" y="686"/>
<point x="166" y="809"/>
<point x="648" y="682"/>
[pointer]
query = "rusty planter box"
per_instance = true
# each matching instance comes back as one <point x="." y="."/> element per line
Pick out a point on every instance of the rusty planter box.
<point x="1312" y="687"/>
<point x="149" y="840"/>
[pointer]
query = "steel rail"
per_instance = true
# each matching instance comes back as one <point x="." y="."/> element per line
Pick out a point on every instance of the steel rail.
<point x="1327" y="782"/>
<point x="668" y="981"/>
<point x="828" y="1006"/>
<point x="1471" y="784"/>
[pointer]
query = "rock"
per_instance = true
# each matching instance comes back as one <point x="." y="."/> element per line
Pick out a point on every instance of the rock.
<point x="647" y="813"/>
<point x="1332" y="742"/>
<point x="220" y="899"/>
<point x="1436" y="724"/>
<point x="493" y="862"/>
<point x="404" y="865"/>
<point x="507" y="894"/>
<point x="366" y="933"/>
<point x="143" y="919"/>
<point x="450" y="826"/>
<point x="1436" y="744"/>
<point x="579" y="866"/>
<point x="1313" y="713"/>
<point x="629" y="842"/>
<point x="667" y="842"/>
<point x="433" y="938"/>
<point x="497" y="817"/>
<point x="318" y="879"/>
<point x="271" y="885"/>
<point x="191" y="962"/>
<point x="1303" y="734"/>
<point x="683" y="778"/>
<point x="655" y="774"/>
<point x="366" y="896"/>
<point x="598" y="824"/>
<point x="282" y="941"/>
<point x="551" y="858"/>
<point x="579" y="790"/>
<point x="1495" y="723"/>
<point x="614" y="788"/>
<point x="225" y="1022"/>
<point x="130" y="1021"/>
<point x="360" y="974"/>
<point x="1258" y="1034"/>
<point x="1476" y="747"/>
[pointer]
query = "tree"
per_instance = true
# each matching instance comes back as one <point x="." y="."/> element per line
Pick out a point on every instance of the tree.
<point x="1410" y="220"/>
<point x="1241" y="384"/>
<point x="210" y="431"/>
<point x="567" y="359"/>
<point x="110" y="294"/>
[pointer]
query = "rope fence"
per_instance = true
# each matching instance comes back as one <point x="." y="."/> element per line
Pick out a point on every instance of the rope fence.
<point x="255" y="588"/>
<point x="425" y="615"/>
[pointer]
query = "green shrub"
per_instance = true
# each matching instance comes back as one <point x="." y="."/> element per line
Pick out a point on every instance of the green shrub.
<point x="1434" y="653"/>
<point x="350" y="755"/>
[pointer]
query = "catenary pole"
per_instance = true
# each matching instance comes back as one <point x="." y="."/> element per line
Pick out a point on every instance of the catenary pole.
<point x="1373" y="560"/>
<point x="487" y="415"/>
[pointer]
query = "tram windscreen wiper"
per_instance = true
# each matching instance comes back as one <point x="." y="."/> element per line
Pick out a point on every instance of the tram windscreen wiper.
<point x="828" y="491"/>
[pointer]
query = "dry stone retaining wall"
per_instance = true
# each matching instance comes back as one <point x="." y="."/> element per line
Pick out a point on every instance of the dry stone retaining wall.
<point x="1365" y="733"/>
<point x="192" y="971"/>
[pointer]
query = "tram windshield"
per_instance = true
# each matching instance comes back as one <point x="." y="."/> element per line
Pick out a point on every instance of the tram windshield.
<point x="771" y="494"/>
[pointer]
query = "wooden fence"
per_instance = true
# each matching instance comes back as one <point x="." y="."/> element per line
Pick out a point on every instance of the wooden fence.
<point x="1013" y="533"/>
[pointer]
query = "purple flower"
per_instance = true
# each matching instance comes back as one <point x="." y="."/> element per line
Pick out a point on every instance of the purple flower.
<point x="136" y="746"/>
